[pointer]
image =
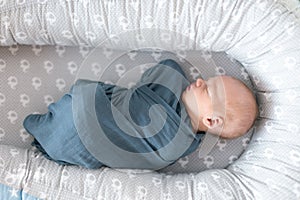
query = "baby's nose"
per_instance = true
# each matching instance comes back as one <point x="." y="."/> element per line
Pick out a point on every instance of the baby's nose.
<point x="199" y="82"/>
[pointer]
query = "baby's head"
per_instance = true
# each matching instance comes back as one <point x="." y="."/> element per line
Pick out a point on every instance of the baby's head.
<point x="221" y="105"/>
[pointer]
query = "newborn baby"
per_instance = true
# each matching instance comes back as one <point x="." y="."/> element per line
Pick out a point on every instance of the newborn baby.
<point x="150" y="125"/>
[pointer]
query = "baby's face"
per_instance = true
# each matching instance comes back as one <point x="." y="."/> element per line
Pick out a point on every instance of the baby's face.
<point x="205" y="97"/>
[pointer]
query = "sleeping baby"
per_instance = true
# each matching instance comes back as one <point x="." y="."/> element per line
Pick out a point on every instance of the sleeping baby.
<point x="148" y="126"/>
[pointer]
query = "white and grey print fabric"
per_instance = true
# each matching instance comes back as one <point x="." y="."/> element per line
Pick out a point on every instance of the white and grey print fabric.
<point x="264" y="36"/>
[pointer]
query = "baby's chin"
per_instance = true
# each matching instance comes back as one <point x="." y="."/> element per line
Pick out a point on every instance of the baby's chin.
<point x="184" y="97"/>
<point x="189" y="101"/>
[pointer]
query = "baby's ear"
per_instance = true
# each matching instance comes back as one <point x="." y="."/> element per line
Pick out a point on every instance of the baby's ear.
<point x="213" y="122"/>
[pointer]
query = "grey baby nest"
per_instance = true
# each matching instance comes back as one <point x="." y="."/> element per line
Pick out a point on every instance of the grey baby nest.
<point x="255" y="41"/>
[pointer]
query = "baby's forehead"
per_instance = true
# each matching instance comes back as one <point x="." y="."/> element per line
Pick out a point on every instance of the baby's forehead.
<point x="226" y="82"/>
<point x="215" y="81"/>
<point x="225" y="88"/>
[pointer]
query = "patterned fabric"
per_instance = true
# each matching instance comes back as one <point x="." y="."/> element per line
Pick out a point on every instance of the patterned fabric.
<point x="39" y="177"/>
<point x="262" y="35"/>
<point x="14" y="194"/>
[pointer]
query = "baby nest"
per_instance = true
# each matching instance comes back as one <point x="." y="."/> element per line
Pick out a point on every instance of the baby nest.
<point x="263" y="36"/>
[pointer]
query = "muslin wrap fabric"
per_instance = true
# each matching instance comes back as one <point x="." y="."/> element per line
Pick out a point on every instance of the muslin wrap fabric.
<point x="96" y="124"/>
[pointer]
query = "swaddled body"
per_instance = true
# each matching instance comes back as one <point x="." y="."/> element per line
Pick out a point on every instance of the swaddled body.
<point x="98" y="124"/>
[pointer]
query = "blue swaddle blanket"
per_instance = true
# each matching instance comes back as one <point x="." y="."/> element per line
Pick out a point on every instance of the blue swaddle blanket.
<point x="98" y="124"/>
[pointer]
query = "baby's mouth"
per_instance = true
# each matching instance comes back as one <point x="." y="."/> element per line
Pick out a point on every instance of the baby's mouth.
<point x="188" y="87"/>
